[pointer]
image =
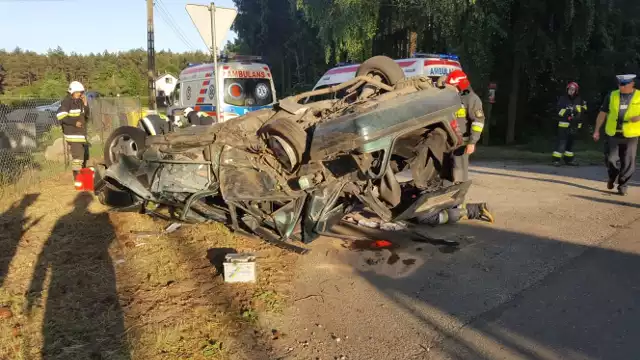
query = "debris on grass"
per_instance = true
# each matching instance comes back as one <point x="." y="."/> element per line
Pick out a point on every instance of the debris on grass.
<point x="5" y="313"/>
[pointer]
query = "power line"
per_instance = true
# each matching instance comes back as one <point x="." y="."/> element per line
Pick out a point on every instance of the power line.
<point x="161" y="3"/>
<point x="168" y="19"/>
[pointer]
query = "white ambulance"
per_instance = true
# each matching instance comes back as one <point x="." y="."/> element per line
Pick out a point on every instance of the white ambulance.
<point x="245" y="85"/>
<point x="430" y="65"/>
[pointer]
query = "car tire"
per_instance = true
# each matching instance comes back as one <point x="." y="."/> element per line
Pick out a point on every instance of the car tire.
<point x="284" y="134"/>
<point x="383" y="66"/>
<point x="134" y="138"/>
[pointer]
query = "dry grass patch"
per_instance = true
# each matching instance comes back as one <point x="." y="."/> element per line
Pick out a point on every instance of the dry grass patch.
<point x="80" y="283"/>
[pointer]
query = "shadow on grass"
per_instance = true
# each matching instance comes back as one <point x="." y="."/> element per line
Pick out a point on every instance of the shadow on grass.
<point x="82" y="317"/>
<point x="13" y="225"/>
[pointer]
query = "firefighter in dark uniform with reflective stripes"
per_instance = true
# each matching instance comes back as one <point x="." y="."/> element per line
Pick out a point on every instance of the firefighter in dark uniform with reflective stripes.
<point x="198" y="118"/>
<point x="155" y="124"/>
<point x="73" y="114"/>
<point x="470" y="120"/>
<point x="571" y="107"/>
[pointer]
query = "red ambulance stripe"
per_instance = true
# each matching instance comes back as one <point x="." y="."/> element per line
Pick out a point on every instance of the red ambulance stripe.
<point x="342" y="70"/>
<point x="200" y="100"/>
<point x="406" y="63"/>
<point x="440" y="62"/>
<point x="196" y="108"/>
<point x="203" y="91"/>
<point x="205" y="83"/>
<point x="198" y="69"/>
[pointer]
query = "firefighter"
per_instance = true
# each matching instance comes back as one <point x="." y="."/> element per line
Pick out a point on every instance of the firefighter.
<point x="196" y="118"/>
<point x="470" y="119"/>
<point x="470" y="122"/>
<point x="571" y="107"/>
<point x="73" y="115"/>
<point x="155" y="124"/>
<point x="620" y="114"/>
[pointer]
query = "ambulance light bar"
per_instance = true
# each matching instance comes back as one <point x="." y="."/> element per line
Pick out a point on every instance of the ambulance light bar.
<point x="242" y="58"/>
<point x="438" y="56"/>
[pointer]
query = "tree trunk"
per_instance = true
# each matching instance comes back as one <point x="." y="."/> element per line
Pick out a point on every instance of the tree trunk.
<point x="513" y="99"/>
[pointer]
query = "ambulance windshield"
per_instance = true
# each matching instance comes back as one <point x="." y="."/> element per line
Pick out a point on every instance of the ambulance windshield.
<point x="247" y="92"/>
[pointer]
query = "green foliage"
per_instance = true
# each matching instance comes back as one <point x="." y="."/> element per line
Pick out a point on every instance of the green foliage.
<point x="212" y="348"/>
<point x="52" y="85"/>
<point x="279" y="32"/>
<point x="47" y="138"/>
<point x="29" y="74"/>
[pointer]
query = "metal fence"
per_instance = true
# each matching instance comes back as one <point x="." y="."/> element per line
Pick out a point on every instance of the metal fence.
<point x="32" y="148"/>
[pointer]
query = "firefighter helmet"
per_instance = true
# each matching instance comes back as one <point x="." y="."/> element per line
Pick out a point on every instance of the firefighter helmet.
<point x="75" y="86"/>
<point x="573" y="85"/>
<point x="458" y="79"/>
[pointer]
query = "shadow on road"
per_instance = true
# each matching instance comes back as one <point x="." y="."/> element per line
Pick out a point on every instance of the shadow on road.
<point x="592" y="173"/>
<point x="13" y="225"/>
<point x="607" y="201"/>
<point x="517" y="296"/>
<point x="82" y="317"/>
<point x="554" y="181"/>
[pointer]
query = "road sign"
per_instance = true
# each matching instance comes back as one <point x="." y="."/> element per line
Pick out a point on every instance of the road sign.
<point x="201" y="17"/>
<point x="213" y="23"/>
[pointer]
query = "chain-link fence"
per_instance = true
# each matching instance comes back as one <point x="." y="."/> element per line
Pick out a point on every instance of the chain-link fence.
<point x="32" y="147"/>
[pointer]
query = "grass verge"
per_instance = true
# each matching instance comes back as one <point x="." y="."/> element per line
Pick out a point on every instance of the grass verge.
<point x="78" y="282"/>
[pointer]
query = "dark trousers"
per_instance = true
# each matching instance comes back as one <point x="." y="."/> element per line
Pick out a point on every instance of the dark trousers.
<point x="460" y="164"/>
<point x="564" y="145"/>
<point x="79" y="155"/>
<point x="621" y="159"/>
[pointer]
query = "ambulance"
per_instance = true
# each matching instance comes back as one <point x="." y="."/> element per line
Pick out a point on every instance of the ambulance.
<point x="430" y="65"/>
<point x="245" y="85"/>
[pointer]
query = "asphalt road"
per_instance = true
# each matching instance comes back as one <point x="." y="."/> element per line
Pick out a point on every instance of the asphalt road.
<point x="556" y="277"/>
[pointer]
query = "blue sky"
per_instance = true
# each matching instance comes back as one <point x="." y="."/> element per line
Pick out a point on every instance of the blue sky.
<point x="86" y="26"/>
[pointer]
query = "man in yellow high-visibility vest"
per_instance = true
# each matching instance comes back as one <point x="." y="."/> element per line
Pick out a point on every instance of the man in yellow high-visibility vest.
<point x="620" y="114"/>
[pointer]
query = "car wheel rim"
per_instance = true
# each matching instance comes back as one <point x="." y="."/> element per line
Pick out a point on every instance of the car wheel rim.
<point x="122" y="145"/>
<point x="281" y="147"/>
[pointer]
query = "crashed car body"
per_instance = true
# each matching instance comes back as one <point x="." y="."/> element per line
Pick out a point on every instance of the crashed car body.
<point x="303" y="167"/>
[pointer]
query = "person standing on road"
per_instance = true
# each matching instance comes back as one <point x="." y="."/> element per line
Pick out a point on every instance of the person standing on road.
<point x="470" y="122"/>
<point x="570" y="110"/>
<point x="73" y="114"/>
<point x="620" y="114"/>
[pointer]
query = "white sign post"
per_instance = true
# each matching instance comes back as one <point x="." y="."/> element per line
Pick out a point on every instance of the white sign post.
<point x="212" y="23"/>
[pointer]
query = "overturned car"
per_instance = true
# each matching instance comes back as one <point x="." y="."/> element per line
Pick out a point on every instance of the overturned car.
<point x="295" y="170"/>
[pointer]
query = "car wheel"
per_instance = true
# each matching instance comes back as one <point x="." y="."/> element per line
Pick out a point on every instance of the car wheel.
<point x="125" y="140"/>
<point x="286" y="139"/>
<point x="383" y="67"/>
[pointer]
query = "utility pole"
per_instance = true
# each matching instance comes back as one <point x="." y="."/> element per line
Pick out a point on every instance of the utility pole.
<point x="151" y="57"/>
<point x="216" y="72"/>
